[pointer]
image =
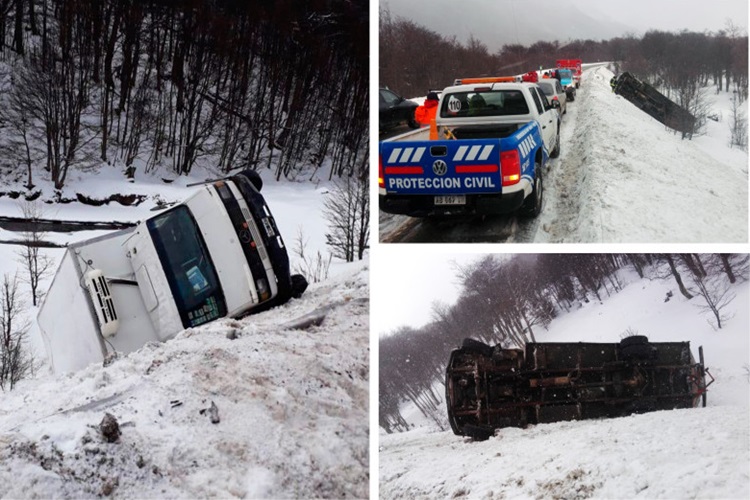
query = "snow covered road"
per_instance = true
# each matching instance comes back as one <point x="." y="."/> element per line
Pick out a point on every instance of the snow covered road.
<point x="622" y="177"/>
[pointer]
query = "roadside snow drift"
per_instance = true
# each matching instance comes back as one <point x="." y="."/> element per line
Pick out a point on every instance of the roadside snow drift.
<point x="632" y="180"/>
<point x="272" y="405"/>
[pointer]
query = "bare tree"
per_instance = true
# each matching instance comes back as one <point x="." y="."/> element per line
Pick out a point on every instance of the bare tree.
<point x="15" y="361"/>
<point x="347" y="209"/>
<point x="677" y="277"/>
<point x="717" y="293"/>
<point x="738" y="124"/>
<point x="37" y="264"/>
<point x="314" y="269"/>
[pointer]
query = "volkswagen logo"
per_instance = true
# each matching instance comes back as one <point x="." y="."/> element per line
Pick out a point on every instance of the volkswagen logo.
<point x="440" y="167"/>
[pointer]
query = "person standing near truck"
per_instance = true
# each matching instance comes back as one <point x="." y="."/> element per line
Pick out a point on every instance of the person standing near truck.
<point x="425" y="113"/>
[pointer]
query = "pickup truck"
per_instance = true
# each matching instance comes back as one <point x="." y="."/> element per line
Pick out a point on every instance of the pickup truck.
<point x="483" y="155"/>
<point x="491" y="387"/>
<point x="218" y="253"/>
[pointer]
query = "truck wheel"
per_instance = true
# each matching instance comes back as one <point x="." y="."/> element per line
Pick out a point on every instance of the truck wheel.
<point x="299" y="285"/>
<point x="413" y="122"/>
<point x="636" y="348"/>
<point x="556" y="151"/>
<point x="634" y="339"/>
<point x="253" y="177"/>
<point x="478" y="432"/>
<point x="476" y="347"/>
<point x="532" y="205"/>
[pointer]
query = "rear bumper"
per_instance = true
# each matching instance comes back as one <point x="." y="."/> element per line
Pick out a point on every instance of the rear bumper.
<point x="478" y="204"/>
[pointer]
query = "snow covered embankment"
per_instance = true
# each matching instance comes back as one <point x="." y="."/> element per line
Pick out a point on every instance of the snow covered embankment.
<point x="636" y="181"/>
<point x="644" y="456"/>
<point x="690" y="453"/>
<point x="291" y="405"/>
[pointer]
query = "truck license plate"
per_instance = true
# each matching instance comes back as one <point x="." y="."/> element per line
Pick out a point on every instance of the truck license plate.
<point x="452" y="199"/>
<point x="268" y="227"/>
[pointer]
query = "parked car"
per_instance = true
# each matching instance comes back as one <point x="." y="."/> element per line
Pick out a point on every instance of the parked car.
<point x="565" y="76"/>
<point x="554" y="92"/>
<point x="395" y="110"/>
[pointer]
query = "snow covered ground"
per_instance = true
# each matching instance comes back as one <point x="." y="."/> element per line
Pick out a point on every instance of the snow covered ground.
<point x="691" y="453"/>
<point x="623" y="177"/>
<point x="291" y="398"/>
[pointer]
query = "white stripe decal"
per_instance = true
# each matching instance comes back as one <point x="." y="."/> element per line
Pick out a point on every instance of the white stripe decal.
<point x="418" y="154"/>
<point x="406" y="155"/>
<point x="486" y="152"/>
<point x="460" y="153"/>
<point x="473" y="153"/>
<point x="394" y="155"/>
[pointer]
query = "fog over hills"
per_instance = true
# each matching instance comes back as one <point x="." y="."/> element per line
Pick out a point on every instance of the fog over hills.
<point x="500" y="22"/>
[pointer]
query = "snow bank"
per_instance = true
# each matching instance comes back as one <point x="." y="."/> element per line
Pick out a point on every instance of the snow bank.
<point x="292" y="404"/>
<point x="635" y="181"/>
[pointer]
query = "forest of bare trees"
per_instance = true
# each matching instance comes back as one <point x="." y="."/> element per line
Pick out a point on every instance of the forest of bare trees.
<point x="151" y="84"/>
<point x="680" y="64"/>
<point x="507" y="301"/>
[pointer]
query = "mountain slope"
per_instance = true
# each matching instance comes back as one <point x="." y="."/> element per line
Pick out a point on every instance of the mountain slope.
<point x="690" y="453"/>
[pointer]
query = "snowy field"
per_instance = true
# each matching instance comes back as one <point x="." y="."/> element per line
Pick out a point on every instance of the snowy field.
<point x="689" y="453"/>
<point x="291" y="399"/>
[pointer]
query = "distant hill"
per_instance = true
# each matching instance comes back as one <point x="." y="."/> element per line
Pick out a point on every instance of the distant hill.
<point x="523" y="22"/>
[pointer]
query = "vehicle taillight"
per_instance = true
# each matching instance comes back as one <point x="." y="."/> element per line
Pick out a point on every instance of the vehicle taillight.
<point x="555" y="98"/>
<point x="381" y="181"/>
<point x="510" y="167"/>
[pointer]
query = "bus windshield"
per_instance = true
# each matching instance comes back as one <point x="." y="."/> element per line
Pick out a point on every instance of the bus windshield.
<point x="188" y="267"/>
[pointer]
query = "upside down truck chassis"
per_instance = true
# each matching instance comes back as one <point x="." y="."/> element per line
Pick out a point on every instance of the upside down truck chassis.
<point x="490" y="387"/>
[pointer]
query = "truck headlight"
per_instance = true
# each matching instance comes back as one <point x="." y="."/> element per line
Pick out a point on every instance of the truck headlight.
<point x="264" y="292"/>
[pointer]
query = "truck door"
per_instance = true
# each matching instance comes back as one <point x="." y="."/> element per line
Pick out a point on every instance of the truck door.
<point x="547" y="118"/>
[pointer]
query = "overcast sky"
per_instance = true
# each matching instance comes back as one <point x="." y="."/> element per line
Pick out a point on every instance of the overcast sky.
<point x="499" y="22"/>
<point x="409" y="279"/>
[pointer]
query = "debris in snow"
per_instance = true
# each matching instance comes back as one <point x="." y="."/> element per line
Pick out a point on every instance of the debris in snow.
<point x="109" y="428"/>
<point x="213" y="413"/>
<point x="110" y="358"/>
<point x="232" y="334"/>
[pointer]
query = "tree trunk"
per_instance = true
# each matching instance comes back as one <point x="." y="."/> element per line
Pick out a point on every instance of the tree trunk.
<point x="677" y="277"/>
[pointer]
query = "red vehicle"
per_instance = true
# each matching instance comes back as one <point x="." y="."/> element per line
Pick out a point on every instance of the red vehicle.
<point x="531" y="76"/>
<point x="575" y="66"/>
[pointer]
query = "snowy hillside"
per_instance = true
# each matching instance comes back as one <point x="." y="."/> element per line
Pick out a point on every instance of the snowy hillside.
<point x="287" y="388"/>
<point x="291" y="401"/>
<point x="691" y="453"/>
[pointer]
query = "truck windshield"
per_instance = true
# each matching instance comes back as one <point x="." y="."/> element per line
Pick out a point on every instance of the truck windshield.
<point x="191" y="274"/>
<point x="484" y="103"/>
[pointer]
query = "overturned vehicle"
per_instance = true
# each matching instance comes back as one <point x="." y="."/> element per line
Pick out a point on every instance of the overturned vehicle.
<point x="490" y="387"/>
<point x="654" y="103"/>
<point x="217" y="254"/>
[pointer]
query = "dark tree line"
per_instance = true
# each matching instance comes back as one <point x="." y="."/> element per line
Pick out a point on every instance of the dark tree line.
<point x="414" y="59"/>
<point x="507" y="301"/>
<point x="142" y="84"/>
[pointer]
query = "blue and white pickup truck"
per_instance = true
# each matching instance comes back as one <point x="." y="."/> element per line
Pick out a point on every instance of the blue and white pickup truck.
<point x="484" y="154"/>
